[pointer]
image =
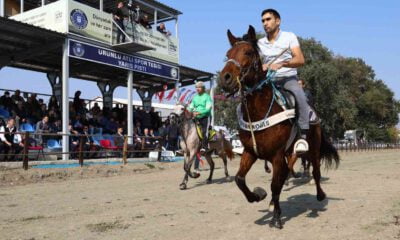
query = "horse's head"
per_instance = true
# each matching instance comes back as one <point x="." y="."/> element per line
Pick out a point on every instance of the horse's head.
<point x="243" y="66"/>
<point x="180" y="113"/>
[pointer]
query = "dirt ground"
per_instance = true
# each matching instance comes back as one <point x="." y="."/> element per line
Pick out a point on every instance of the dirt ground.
<point x="141" y="201"/>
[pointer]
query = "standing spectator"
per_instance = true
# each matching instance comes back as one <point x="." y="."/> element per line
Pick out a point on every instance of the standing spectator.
<point x="172" y="136"/>
<point x="77" y="102"/>
<point x="162" y="132"/>
<point x="53" y="103"/>
<point x="119" y="16"/>
<point x="16" y="98"/>
<point x="144" y="21"/>
<point x="6" y="101"/>
<point x="10" y="139"/>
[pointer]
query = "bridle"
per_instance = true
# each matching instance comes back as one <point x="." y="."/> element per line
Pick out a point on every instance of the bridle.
<point x="244" y="71"/>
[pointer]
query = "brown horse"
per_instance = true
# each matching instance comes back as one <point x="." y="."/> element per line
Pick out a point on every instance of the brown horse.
<point x="244" y="70"/>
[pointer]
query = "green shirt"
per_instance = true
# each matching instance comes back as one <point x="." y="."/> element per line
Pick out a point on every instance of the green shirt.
<point x="202" y="104"/>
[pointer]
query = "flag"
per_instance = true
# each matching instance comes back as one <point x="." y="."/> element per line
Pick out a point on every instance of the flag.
<point x="184" y="96"/>
<point x="190" y="97"/>
<point x="170" y="94"/>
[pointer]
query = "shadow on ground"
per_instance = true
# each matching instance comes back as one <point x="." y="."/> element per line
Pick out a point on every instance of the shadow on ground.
<point x="296" y="206"/>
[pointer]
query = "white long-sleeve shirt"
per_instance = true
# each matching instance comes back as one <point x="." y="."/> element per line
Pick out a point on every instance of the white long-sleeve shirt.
<point x="17" y="136"/>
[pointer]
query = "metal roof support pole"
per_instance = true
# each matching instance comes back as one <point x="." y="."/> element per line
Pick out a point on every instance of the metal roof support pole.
<point x="65" y="102"/>
<point x="21" y="5"/>
<point x="176" y="26"/>
<point x="56" y="85"/>
<point x="212" y="93"/>
<point x="107" y="90"/>
<point x="130" y="107"/>
<point x="2" y="8"/>
<point x="146" y="95"/>
<point x="101" y="5"/>
<point x="43" y="3"/>
<point x="155" y="18"/>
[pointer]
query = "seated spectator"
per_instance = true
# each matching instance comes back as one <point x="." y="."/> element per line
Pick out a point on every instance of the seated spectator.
<point x="88" y="147"/>
<point x="56" y="127"/>
<point x="144" y="21"/>
<point x="119" y="138"/>
<point x="20" y="111"/>
<point x="161" y="28"/>
<point x="11" y="141"/>
<point x="148" y="140"/>
<point x="16" y="98"/>
<point x="73" y="141"/>
<point x="111" y="126"/>
<point x="42" y="127"/>
<point x="6" y="101"/>
<point x="77" y="124"/>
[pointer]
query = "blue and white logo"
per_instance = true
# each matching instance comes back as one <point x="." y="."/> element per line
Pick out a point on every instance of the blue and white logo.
<point x="79" y="19"/>
<point x="78" y="49"/>
<point x="174" y="73"/>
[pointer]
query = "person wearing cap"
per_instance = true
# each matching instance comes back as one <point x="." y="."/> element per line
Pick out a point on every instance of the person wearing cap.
<point x="201" y="108"/>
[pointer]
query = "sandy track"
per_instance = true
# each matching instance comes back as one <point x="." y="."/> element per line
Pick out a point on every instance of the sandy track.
<point x="136" y="202"/>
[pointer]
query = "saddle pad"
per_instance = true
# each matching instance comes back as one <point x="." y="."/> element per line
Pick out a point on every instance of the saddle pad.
<point x="211" y="133"/>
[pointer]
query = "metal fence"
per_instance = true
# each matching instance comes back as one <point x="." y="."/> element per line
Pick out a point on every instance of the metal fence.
<point x="36" y="144"/>
<point x="366" y="146"/>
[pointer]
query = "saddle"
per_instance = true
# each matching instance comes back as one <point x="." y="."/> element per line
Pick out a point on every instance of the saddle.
<point x="212" y="133"/>
<point x="286" y="99"/>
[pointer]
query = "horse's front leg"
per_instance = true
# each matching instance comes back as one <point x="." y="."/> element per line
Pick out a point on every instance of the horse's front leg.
<point x="280" y="173"/>
<point x="189" y="158"/>
<point x="246" y="162"/>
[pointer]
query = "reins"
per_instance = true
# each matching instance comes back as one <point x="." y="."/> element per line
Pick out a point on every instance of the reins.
<point x="258" y="86"/>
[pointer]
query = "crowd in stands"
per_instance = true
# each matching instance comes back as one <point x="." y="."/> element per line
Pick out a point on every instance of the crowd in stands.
<point x="19" y="114"/>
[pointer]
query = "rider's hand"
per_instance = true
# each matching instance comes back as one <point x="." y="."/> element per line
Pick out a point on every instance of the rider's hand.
<point x="275" y="66"/>
<point x="195" y="114"/>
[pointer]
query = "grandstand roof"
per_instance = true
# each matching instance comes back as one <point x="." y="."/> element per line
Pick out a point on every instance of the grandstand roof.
<point x="28" y="47"/>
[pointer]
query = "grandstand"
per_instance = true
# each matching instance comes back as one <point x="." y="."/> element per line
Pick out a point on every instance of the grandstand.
<point x="78" y="39"/>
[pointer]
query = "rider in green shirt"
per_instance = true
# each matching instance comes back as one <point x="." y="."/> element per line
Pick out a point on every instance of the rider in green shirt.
<point x="201" y="107"/>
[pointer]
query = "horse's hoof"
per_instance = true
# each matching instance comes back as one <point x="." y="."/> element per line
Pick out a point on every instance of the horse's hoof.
<point x="268" y="170"/>
<point x="321" y="196"/>
<point x="209" y="181"/>
<point x="260" y="193"/>
<point x="182" y="186"/>
<point x="296" y="175"/>
<point x="276" y="223"/>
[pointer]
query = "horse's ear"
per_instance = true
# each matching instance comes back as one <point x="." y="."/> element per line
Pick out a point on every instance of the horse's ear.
<point x="251" y="33"/>
<point x="232" y="39"/>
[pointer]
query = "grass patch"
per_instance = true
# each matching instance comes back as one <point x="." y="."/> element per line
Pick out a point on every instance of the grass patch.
<point x="32" y="218"/>
<point x="106" y="226"/>
<point x="149" y="165"/>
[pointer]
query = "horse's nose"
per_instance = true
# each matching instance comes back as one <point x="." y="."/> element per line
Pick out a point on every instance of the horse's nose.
<point x="227" y="77"/>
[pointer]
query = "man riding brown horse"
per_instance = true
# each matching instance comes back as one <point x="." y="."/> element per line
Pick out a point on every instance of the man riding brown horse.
<point x="267" y="127"/>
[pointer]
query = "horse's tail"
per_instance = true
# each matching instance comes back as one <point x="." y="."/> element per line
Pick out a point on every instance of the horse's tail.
<point x="328" y="153"/>
<point x="228" y="149"/>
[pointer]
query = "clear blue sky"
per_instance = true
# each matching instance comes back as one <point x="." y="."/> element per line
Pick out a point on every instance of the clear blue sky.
<point x="356" y="28"/>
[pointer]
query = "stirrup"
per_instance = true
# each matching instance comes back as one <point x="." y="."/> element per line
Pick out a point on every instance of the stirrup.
<point x="301" y="146"/>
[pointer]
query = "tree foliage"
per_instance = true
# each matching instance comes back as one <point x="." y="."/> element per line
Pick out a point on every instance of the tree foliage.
<point x="346" y="93"/>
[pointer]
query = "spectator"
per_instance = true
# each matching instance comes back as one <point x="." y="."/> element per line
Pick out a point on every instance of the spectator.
<point x="119" y="137"/>
<point x="10" y="140"/>
<point x="6" y="101"/>
<point x="16" y="98"/>
<point x="161" y="28"/>
<point x="73" y="141"/>
<point x="88" y="147"/>
<point x="42" y="127"/>
<point x="148" y="140"/>
<point x="53" y="103"/>
<point x="119" y="16"/>
<point x="172" y="136"/>
<point x="144" y="21"/>
<point x="77" y="102"/>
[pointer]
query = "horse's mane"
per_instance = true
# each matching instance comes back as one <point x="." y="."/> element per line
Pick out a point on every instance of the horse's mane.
<point x="253" y="42"/>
